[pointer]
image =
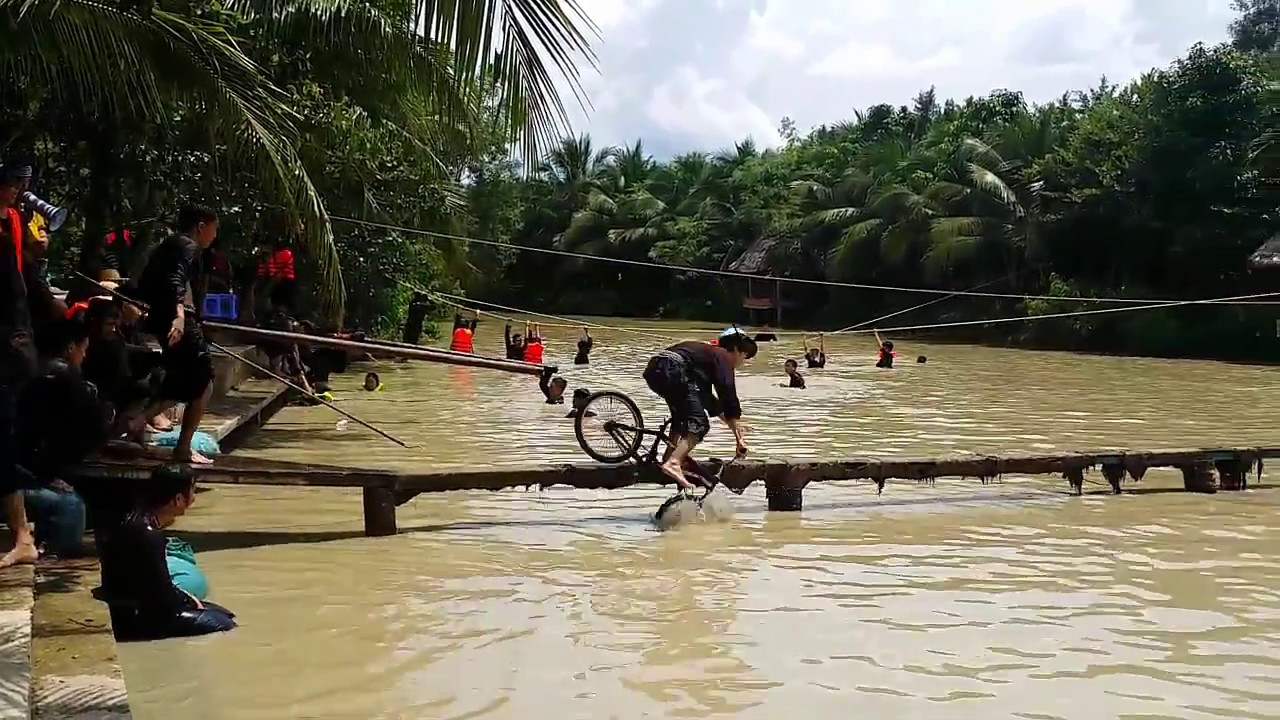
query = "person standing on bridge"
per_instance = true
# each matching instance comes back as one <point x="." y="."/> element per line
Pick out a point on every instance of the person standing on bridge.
<point x="684" y="375"/>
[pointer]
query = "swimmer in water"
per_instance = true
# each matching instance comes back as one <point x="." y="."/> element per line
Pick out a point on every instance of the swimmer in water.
<point x="515" y="344"/>
<point x="580" y="397"/>
<point x="816" y="357"/>
<point x="372" y="383"/>
<point x="585" y="343"/>
<point x="684" y="375"/>
<point x="553" y="390"/>
<point x="885" y="359"/>
<point x="795" y="379"/>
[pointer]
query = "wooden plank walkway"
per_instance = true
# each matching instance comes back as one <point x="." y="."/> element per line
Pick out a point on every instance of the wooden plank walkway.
<point x="1204" y="470"/>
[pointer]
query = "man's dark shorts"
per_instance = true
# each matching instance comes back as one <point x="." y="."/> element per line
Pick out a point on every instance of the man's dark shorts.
<point x="188" y="367"/>
<point x="671" y="380"/>
<point x="13" y="475"/>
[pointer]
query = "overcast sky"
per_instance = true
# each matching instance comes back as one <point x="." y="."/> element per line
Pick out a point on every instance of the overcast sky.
<point x="685" y="74"/>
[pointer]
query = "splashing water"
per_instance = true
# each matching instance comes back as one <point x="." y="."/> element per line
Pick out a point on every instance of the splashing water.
<point x="714" y="508"/>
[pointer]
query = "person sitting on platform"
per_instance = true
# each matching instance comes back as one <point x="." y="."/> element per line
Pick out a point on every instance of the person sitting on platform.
<point x="109" y="365"/>
<point x="145" y="603"/>
<point x="816" y="357"/>
<point x="795" y="379"/>
<point x="63" y="421"/>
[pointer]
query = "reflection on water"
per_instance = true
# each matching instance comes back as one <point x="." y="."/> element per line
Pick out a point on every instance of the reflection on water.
<point x="955" y="601"/>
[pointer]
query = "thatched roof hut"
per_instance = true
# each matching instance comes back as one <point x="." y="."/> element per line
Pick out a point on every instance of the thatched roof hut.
<point x="755" y="259"/>
<point x="1266" y="257"/>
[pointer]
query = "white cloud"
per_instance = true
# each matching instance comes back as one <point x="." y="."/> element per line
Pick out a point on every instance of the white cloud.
<point x="686" y="74"/>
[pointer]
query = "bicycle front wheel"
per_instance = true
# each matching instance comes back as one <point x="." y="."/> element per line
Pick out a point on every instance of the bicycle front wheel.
<point x="609" y="427"/>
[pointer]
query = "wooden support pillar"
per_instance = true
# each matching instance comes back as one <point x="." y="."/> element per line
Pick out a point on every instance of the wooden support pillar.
<point x="379" y="512"/>
<point x="1232" y="474"/>
<point x="785" y="493"/>
<point x="1199" y="478"/>
<point x="1114" y="473"/>
<point x="1075" y="476"/>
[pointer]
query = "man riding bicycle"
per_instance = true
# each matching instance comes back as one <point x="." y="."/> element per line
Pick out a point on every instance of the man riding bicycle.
<point x="684" y="375"/>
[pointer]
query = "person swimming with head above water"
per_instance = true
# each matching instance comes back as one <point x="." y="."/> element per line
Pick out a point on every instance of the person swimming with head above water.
<point x="886" y="356"/>
<point x="585" y="344"/>
<point x="685" y="376"/>
<point x="515" y="344"/>
<point x="794" y="378"/>
<point x="372" y="383"/>
<point x="552" y="388"/>
<point x="580" y="398"/>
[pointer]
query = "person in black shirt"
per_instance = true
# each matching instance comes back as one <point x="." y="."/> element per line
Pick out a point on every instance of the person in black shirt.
<point x="580" y="398"/>
<point x="166" y="287"/>
<point x="684" y="375"/>
<point x="585" y="343"/>
<point x="515" y="344"/>
<point x="553" y="390"/>
<point x="17" y="363"/>
<point x="816" y="357"/>
<point x="795" y="379"/>
<point x="143" y="601"/>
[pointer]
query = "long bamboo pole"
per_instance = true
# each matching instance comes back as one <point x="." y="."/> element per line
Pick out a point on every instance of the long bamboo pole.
<point x="411" y="353"/>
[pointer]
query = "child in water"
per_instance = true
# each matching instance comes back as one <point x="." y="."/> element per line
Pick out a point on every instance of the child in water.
<point x="372" y="383"/>
<point x="793" y="372"/>
<point x="885" y="359"/>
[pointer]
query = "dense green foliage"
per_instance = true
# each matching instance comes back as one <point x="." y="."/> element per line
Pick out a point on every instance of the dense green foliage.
<point x="1160" y="188"/>
<point x="291" y="108"/>
<point x="403" y="112"/>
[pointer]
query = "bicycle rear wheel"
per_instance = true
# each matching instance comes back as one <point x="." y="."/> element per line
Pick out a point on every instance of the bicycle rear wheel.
<point x="608" y="428"/>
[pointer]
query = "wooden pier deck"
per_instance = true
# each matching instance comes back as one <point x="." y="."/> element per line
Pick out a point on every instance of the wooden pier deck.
<point x="1204" y="470"/>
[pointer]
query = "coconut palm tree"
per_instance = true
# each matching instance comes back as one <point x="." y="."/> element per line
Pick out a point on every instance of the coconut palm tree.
<point x="154" y="62"/>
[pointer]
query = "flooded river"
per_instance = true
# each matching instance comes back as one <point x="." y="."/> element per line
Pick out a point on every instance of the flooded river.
<point x="963" y="600"/>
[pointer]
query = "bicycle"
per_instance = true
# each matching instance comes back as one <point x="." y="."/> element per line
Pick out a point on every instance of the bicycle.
<point x="628" y="434"/>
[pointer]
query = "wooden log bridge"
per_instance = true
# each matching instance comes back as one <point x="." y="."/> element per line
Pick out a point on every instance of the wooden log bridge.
<point x="1204" y="470"/>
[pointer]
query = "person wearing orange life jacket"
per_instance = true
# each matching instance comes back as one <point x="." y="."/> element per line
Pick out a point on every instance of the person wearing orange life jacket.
<point x="464" y="332"/>
<point x="276" y="268"/>
<point x="533" y="344"/>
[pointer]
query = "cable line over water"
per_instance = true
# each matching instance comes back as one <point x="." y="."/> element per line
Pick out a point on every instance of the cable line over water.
<point x="750" y="276"/>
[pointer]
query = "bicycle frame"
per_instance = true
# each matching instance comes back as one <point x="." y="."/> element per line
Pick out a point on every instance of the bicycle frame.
<point x="650" y="456"/>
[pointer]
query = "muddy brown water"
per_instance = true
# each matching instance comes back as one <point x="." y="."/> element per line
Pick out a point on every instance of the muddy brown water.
<point x="960" y="600"/>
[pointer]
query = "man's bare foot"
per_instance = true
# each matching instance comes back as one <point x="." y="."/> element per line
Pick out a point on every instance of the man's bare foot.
<point x="22" y="554"/>
<point x="191" y="456"/>
<point x="674" y="472"/>
<point x="161" y="423"/>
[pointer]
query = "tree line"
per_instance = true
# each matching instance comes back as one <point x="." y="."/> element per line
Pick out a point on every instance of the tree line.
<point x="444" y="117"/>
<point x="1160" y="188"/>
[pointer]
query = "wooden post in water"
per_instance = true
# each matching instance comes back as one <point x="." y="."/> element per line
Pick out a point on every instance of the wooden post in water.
<point x="1114" y="473"/>
<point x="379" y="512"/>
<point x="1232" y="474"/>
<point x="1198" y="477"/>
<point x="784" y="491"/>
